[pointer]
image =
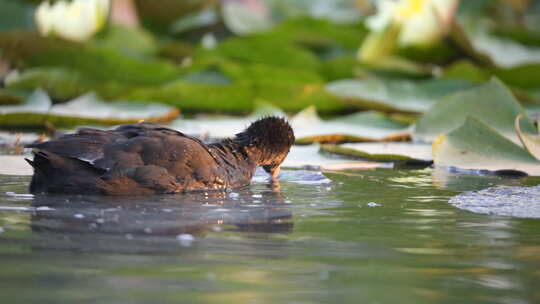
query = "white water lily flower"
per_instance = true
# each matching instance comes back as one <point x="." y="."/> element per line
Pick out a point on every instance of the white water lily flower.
<point x="421" y="22"/>
<point x="77" y="20"/>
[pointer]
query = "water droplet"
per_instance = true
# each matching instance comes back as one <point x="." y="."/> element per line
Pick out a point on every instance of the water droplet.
<point x="373" y="204"/>
<point x="185" y="239"/>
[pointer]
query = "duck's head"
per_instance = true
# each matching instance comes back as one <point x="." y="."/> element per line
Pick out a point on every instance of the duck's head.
<point x="267" y="141"/>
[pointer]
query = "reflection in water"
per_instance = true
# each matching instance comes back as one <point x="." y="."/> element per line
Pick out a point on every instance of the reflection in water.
<point x="127" y="219"/>
<point x="381" y="236"/>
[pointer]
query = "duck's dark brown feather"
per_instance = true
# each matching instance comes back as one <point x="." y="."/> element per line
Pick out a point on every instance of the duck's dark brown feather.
<point x="140" y="159"/>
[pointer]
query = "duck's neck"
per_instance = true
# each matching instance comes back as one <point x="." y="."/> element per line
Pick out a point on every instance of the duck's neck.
<point x="238" y="162"/>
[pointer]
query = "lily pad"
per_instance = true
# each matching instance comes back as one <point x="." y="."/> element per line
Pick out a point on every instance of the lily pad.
<point x="10" y="97"/>
<point x="492" y="103"/>
<point x="266" y="49"/>
<point x="14" y="165"/>
<point x="223" y="126"/>
<point x="505" y="52"/>
<point x="244" y="18"/>
<point x="308" y="157"/>
<point x="358" y="127"/>
<point x="405" y="153"/>
<point x="531" y="141"/>
<point x="307" y="125"/>
<point x="60" y="83"/>
<point x="132" y="42"/>
<point x="16" y="14"/>
<point x="320" y="35"/>
<point x="27" y="49"/>
<point x="522" y="76"/>
<point x="394" y="95"/>
<point x="477" y="147"/>
<point x="290" y="89"/>
<point x="38" y="111"/>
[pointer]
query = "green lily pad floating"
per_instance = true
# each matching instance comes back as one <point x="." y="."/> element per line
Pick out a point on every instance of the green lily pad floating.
<point x="266" y="49"/>
<point x="132" y="42"/>
<point x="38" y="111"/>
<point x="531" y="141"/>
<point x="101" y="62"/>
<point x="402" y="153"/>
<point x="476" y="147"/>
<point x="492" y="103"/>
<point x="395" y="95"/>
<point x="217" y="84"/>
<point x="358" y="127"/>
<point x="61" y="83"/>
<point x="10" y="97"/>
<point x="520" y="77"/>
<point x="505" y="52"/>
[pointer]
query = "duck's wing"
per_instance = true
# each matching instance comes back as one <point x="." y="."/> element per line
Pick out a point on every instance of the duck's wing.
<point x="86" y="144"/>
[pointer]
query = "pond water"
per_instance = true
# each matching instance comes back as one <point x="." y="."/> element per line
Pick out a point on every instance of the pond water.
<point x="374" y="236"/>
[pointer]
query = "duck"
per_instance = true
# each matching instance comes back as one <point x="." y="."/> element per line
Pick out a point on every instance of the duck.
<point x="146" y="158"/>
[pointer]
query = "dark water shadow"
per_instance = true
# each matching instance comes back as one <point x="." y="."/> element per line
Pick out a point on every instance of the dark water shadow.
<point x="122" y="223"/>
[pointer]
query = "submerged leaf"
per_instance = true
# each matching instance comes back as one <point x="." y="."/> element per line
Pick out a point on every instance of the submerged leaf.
<point x="394" y="95"/>
<point x="475" y="146"/>
<point x="492" y="103"/>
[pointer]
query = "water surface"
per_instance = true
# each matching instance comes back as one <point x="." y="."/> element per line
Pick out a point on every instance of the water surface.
<point x="378" y="236"/>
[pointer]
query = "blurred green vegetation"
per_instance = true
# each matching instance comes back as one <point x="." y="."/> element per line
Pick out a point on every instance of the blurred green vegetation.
<point x="214" y="57"/>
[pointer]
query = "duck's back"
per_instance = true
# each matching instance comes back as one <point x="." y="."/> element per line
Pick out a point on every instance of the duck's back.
<point x="132" y="159"/>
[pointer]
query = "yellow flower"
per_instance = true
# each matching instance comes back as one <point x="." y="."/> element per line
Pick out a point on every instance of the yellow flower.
<point x="77" y="20"/>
